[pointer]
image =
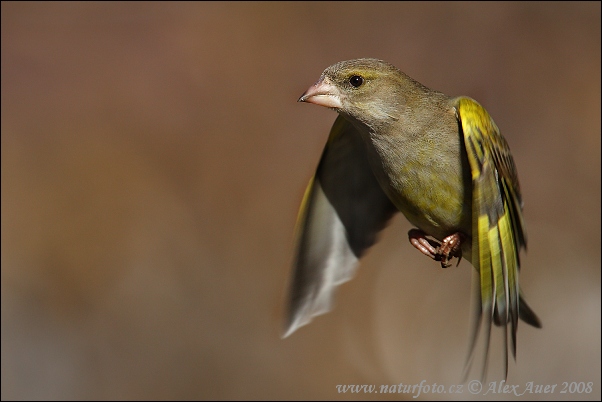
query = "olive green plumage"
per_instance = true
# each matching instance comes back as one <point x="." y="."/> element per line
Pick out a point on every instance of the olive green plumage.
<point x="441" y="161"/>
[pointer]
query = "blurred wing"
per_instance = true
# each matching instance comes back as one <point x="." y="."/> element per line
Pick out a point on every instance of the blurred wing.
<point x="498" y="228"/>
<point x="342" y="211"/>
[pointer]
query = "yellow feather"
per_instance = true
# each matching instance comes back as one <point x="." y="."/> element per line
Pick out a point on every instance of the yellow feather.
<point x="498" y="228"/>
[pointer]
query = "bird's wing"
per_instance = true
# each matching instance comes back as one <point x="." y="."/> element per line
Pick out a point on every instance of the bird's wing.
<point x="342" y="211"/>
<point x="498" y="230"/>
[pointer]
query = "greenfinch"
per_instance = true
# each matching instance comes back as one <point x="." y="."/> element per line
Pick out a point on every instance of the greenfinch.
<point x="400" y="146"/>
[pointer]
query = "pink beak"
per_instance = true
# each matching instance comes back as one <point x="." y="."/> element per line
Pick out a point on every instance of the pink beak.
<point x="323" y="93"/>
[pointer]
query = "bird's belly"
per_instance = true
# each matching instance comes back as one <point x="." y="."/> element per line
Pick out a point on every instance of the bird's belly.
<point x="431" y="184"/>
<point x="436" y="203"/>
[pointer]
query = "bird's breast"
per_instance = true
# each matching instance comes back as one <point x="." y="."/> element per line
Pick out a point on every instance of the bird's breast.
<point x="427" y="179"/>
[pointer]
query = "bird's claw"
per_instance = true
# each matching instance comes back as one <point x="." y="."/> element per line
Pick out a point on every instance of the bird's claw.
<point x="443" y="251"/>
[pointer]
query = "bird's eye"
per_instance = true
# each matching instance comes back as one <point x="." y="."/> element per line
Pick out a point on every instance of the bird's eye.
<point x="356" y="81"/>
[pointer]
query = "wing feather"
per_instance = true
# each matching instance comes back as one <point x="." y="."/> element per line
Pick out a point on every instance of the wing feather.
<point x="342" y="212"/>
<point x="498" y="226"/>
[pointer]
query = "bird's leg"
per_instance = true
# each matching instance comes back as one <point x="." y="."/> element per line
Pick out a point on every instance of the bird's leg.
<point x="443" y="251"/>
<point x="426" y="246"/>
<point x="451" y="247"/>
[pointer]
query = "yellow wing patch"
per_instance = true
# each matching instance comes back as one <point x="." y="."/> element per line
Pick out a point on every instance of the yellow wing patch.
<point x="498" y="228"/>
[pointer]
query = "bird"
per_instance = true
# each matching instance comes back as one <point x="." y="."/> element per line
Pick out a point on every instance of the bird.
<point x="441" y="161"/>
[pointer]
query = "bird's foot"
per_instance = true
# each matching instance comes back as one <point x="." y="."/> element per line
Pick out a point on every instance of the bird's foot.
<point x="444" y="251"/>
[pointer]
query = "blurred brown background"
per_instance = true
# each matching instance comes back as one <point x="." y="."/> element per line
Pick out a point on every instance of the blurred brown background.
<point x="154" y="157"/>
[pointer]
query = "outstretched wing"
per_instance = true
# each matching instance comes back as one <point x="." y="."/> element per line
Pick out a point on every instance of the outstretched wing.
<point x="342" y="211"/>
<point x="498" y="230"/>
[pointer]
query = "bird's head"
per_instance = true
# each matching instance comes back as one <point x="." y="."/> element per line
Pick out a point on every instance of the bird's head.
<point x="370" y="91"/>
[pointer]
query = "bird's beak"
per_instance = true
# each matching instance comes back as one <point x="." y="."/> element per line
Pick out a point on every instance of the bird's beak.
<point x="323" y="93"/>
